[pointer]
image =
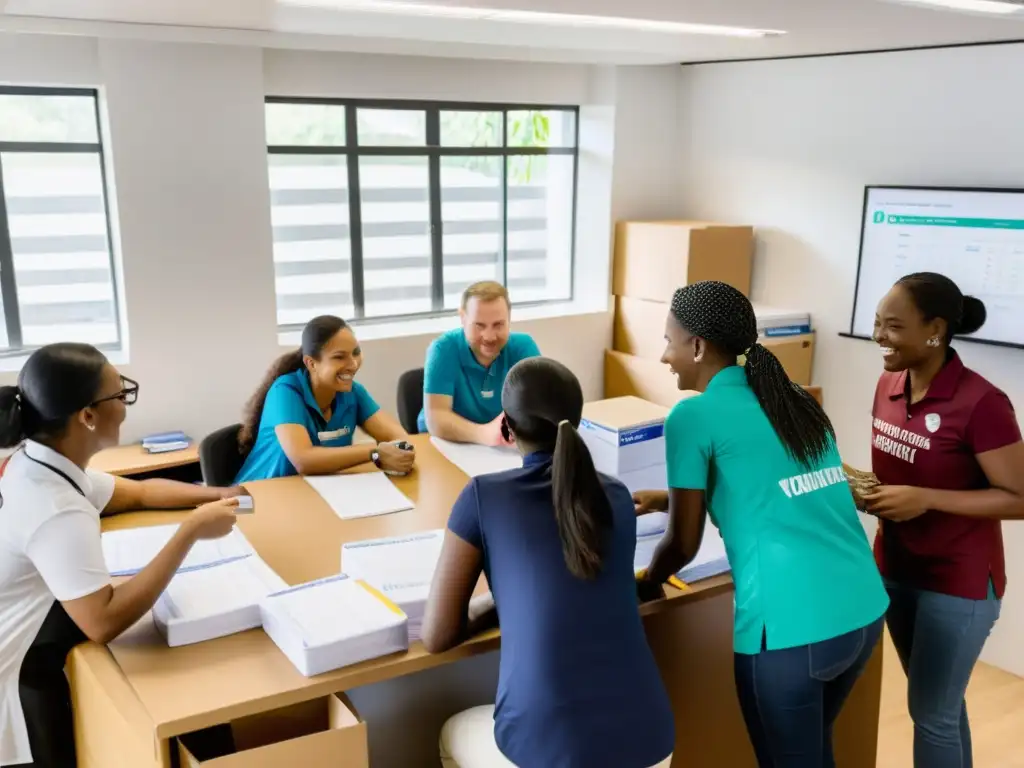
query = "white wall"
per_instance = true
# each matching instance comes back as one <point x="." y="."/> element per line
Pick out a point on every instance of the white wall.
<point x="188" y="154"/>
<point x="789" y="146"/>
<point x="186" y="140"/>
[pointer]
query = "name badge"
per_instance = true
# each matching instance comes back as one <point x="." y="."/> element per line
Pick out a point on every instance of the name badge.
<point x="325" y="437"/>
<point x="487" y="394"/>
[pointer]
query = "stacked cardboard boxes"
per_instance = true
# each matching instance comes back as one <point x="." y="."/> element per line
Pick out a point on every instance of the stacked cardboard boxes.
<point x="652" y="260"/>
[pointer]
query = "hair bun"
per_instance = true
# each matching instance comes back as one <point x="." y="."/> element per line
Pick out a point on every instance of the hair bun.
<point x="973" y="316"/>
<point x="12" y="430"/>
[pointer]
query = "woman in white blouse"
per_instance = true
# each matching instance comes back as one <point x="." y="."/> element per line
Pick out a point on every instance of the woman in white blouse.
<point x="55" y="591"/>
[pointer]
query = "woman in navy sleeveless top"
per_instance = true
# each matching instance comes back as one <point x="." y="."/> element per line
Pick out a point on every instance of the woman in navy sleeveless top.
<point x="578" y="685"/>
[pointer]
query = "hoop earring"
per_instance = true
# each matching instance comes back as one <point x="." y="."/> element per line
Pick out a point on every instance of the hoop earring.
<point x="91" y="427"/>
<point x="933" y="341"/>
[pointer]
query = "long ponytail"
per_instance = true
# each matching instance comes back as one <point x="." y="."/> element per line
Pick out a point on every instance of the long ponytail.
<point x="582" y="509"/>
<point x="724" y="317"/>
<point x="286" y="363"/>
<point x="543" y="404"/>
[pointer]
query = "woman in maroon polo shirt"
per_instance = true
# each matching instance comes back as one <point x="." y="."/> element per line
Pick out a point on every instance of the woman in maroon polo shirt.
<point x="947" y="450"/>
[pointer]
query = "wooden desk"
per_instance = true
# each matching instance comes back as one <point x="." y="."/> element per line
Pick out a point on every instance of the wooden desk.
<point x="131" y="700"/>
<point x="132" y="460"/>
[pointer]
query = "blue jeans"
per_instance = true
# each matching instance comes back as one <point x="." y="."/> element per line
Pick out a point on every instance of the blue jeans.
<point x="939" y="639"/>
<point x="791" y="698"/>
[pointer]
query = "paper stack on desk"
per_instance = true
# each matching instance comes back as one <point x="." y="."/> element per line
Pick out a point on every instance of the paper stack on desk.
<point x="773" y="322"/>
<point x="129" y="551"/>
<point x="332" y="623"/>
<point x="711" y="559"/>
<point x="401" y="567"/>
<point x="360" y="495"/>
<point x="166" y="442"/>
<point x="215" y="601"/>
<point x="476" y="460"/>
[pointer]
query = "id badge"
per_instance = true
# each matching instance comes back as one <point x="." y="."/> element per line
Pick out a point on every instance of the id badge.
<point x="326" y="437"/>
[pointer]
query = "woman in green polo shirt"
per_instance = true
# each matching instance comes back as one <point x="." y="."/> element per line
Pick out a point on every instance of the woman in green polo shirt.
<point x="759" y="455"/>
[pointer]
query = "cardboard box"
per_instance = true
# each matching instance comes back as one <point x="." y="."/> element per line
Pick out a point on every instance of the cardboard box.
<point x="649" y="380"/>
<point x="324" y="733"/>
<point x="626" y="439"/>
<point x="654" y="258"/>
<point x="639" y="330"/>
<point x="816" y="393"/>
<point x="639" y="327"/>
<point x="796" y="353"/>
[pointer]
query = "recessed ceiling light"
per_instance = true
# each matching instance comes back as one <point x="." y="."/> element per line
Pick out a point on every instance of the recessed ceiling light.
<point x="1001" y="7"/>
<point x="531" y="17"/>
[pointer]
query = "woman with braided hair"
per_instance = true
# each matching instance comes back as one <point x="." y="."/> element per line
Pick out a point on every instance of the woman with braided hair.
<point x="758" y="454"/>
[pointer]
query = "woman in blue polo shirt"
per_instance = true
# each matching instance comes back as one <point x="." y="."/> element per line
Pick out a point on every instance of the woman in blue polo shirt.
<point x="304" y="415"/>
<point x="759" y="455"/>
<point x="578" y="685"/>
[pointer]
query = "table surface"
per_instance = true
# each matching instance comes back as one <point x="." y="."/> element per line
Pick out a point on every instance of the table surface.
<point x="192" y="687"/>
<point x="126" y="460"/>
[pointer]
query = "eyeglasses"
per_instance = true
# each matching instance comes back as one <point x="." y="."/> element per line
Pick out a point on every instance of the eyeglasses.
<point x="128" y="395"/>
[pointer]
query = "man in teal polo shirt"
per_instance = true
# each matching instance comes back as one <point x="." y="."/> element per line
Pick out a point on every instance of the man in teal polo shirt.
<point x="466" y="368"/>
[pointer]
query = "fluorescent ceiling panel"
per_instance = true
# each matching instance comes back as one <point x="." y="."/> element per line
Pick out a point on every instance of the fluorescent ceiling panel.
<point x="972" y="6"/>
<point x="396" y="7"/>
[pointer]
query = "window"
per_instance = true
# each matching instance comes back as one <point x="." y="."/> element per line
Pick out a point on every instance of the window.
<point x="390" y="209"/>
<point x="56" y="270"/>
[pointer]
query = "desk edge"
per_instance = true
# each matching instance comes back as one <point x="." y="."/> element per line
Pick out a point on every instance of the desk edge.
<point x="346" y="679"/>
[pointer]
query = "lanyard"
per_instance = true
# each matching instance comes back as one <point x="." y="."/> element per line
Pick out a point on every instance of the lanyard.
<point x="56" y="471"/>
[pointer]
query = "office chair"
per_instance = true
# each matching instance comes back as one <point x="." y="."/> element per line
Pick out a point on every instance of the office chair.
<point x="219" y="457"/>
<point x="410" y="399"/>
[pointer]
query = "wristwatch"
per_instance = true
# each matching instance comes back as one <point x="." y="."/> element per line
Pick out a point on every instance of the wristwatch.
<point x="375" y="458"/>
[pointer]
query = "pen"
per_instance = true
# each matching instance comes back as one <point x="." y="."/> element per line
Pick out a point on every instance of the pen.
<point x="674" y="581"/>
<point x="678" y="583"/>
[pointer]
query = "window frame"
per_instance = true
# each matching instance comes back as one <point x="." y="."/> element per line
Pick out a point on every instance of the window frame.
<point x="8" y="278"/>
<point x="433" y="151"/>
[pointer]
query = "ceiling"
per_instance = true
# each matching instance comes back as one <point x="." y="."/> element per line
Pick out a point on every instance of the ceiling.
<point x="812" y="27"/>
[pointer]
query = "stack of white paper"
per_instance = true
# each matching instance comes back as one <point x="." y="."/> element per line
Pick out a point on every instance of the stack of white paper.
<point x="711" y="559"/>
<point x="332" y="623"/>
<point x="476" y="460"/>
<point x="129" y="551"/>
<point x="773" y="321"/>
<point x="400" y="567"/>
<point x="215" y="600"/>
<point x="360" y="495"/>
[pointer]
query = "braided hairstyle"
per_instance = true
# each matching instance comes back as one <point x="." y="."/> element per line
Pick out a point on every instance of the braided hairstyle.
<point x="724" y="317"/>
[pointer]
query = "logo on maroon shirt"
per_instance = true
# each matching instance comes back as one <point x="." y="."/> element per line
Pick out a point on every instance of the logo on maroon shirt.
<point x="900" y="442"/>
<point x="932" y="422"/>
